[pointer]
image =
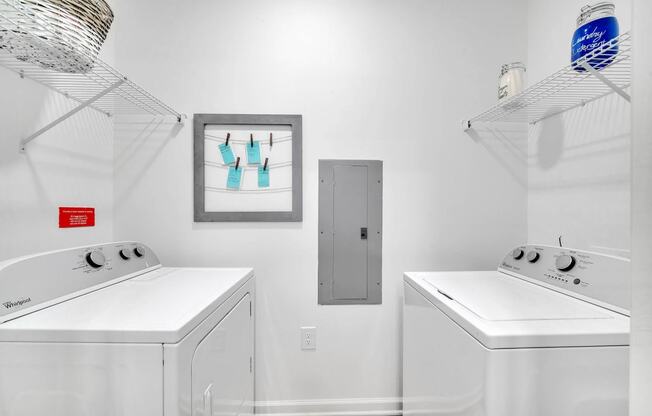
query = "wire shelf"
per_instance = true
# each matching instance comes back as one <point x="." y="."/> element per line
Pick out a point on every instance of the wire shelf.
<point x="102" y="88"/>
<point x="573" y="86"/>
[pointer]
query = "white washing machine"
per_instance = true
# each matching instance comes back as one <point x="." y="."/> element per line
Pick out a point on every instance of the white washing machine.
<point x="107" y="331"/>
<point x="547" y="334"/>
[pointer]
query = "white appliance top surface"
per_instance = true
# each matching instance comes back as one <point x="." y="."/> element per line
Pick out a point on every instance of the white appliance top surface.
<point x="500" y="297"/>
<point x="502" y="311"/>
<point x="163" y="306"/>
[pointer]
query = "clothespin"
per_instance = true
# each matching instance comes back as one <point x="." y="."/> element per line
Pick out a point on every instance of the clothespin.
<point x="251" y="140"/>
<point x="265" y="165"/>
<point x="237" y="163"/>
<point x="228" y="136"/>
<point x="271" y="141"/>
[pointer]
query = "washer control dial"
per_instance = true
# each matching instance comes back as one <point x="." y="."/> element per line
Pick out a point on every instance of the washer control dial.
<point x="533" y="256"/>
<point x="565" y="262"/>
<point x="125" y="254"/>
<point x="139" y="251"/>
<point x="518" y="254"/>
<point x="95" y="259"/>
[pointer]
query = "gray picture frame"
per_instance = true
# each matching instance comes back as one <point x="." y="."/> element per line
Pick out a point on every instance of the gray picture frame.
<point x="200" y="121"/>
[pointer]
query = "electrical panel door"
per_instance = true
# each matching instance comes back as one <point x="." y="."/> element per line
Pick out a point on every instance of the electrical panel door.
<point x="350" y="232"/>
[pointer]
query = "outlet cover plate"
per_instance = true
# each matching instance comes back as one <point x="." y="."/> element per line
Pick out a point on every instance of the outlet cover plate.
<point x="308" y="338"/>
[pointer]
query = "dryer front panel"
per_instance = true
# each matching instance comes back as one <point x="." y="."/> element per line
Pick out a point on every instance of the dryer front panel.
<point x="222" y="367"/>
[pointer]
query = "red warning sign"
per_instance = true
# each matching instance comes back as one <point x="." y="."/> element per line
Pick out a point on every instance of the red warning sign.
<point x="71" y="217"/>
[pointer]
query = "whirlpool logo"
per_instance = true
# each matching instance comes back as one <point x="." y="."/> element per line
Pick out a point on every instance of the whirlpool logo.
<point x="13" y="304"/>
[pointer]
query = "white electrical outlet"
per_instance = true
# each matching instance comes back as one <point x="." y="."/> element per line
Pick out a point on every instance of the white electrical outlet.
<point x="308" y="338"/>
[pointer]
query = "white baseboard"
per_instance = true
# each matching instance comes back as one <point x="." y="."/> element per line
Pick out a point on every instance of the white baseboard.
<point x="390" y="406"/>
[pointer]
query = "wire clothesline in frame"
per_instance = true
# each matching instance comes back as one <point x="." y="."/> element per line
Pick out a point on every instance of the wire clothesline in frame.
<point x="262" y="140"/>
<point x="266" y="142"/>
<point x="236" y="182"/>
<point x="249" y="191"/>
<point x="250" y="167"/>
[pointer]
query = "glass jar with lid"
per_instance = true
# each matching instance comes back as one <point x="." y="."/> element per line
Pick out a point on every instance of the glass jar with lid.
<point x="597" y="26"/>
<point x="512" y="80"/>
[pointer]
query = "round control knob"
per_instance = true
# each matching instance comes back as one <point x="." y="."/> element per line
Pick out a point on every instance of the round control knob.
<point x="565" y="262"/>
<point x="125" y="254"/>
<point x="518" y="254"/>
<point x="577" y="281"/>
<point x="533" y="256"/>
<point x="95" y="259"/>
<point x="139" y="251"/>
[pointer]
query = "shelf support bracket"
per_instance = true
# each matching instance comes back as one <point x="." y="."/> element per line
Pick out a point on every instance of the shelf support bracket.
<point x="467" y="125"/>
<point x="606" y="81"/>
<point x="25" y="141"/>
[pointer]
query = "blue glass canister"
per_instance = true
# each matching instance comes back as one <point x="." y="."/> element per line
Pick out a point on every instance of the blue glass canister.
<point x="596" y="26"/>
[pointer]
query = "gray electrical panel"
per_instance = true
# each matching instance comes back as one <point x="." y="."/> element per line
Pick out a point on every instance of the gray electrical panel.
<point x="350" y="232"/>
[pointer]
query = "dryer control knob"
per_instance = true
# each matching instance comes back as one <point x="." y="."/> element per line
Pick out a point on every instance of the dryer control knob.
<point x="139" y="251"/>
<point x="95" y="259"/>
<point x="565" y="262"/>
<point x="125" y="254"/>
<point x="518" y="254"/>
<point x="533" y="256"/>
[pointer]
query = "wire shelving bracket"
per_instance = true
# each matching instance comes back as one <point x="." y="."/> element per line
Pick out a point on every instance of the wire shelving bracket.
<point x="103" y="88"/>
<point x="567" y="88"/>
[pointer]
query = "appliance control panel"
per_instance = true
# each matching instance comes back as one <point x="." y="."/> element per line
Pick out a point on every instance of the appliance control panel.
<point x="34" y="282"/>
<point x="598" y="278"/>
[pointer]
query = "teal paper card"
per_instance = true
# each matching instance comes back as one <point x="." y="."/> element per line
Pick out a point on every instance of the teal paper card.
<point x="263" y="177"/>
<point x="253" y="153"/>
<point x="235" y="177"/>
<point x="227" y="154"/>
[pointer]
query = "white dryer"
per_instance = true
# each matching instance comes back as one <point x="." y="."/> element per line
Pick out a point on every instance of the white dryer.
<point x="547" y="334"/>
<point x="107" y="331"/>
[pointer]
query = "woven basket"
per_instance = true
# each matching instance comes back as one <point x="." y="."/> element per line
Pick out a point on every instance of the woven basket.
<point x="62" y="35"/>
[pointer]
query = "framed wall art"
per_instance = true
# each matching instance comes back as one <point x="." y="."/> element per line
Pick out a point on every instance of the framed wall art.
<point x="247" y="168"/>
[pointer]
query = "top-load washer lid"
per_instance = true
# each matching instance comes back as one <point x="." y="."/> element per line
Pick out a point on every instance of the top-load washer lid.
<point x="160" y="306"/>
<point x="503" y="311"/>
<point x="499" y="297"/>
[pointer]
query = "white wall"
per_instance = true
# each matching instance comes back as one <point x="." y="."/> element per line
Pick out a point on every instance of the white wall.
<point x="375" y="79"/>
<point x="579" y="162"/>
<point x="71" y="165"/>
<point x="641" y="356"/>
<point x="383" y="79"/>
